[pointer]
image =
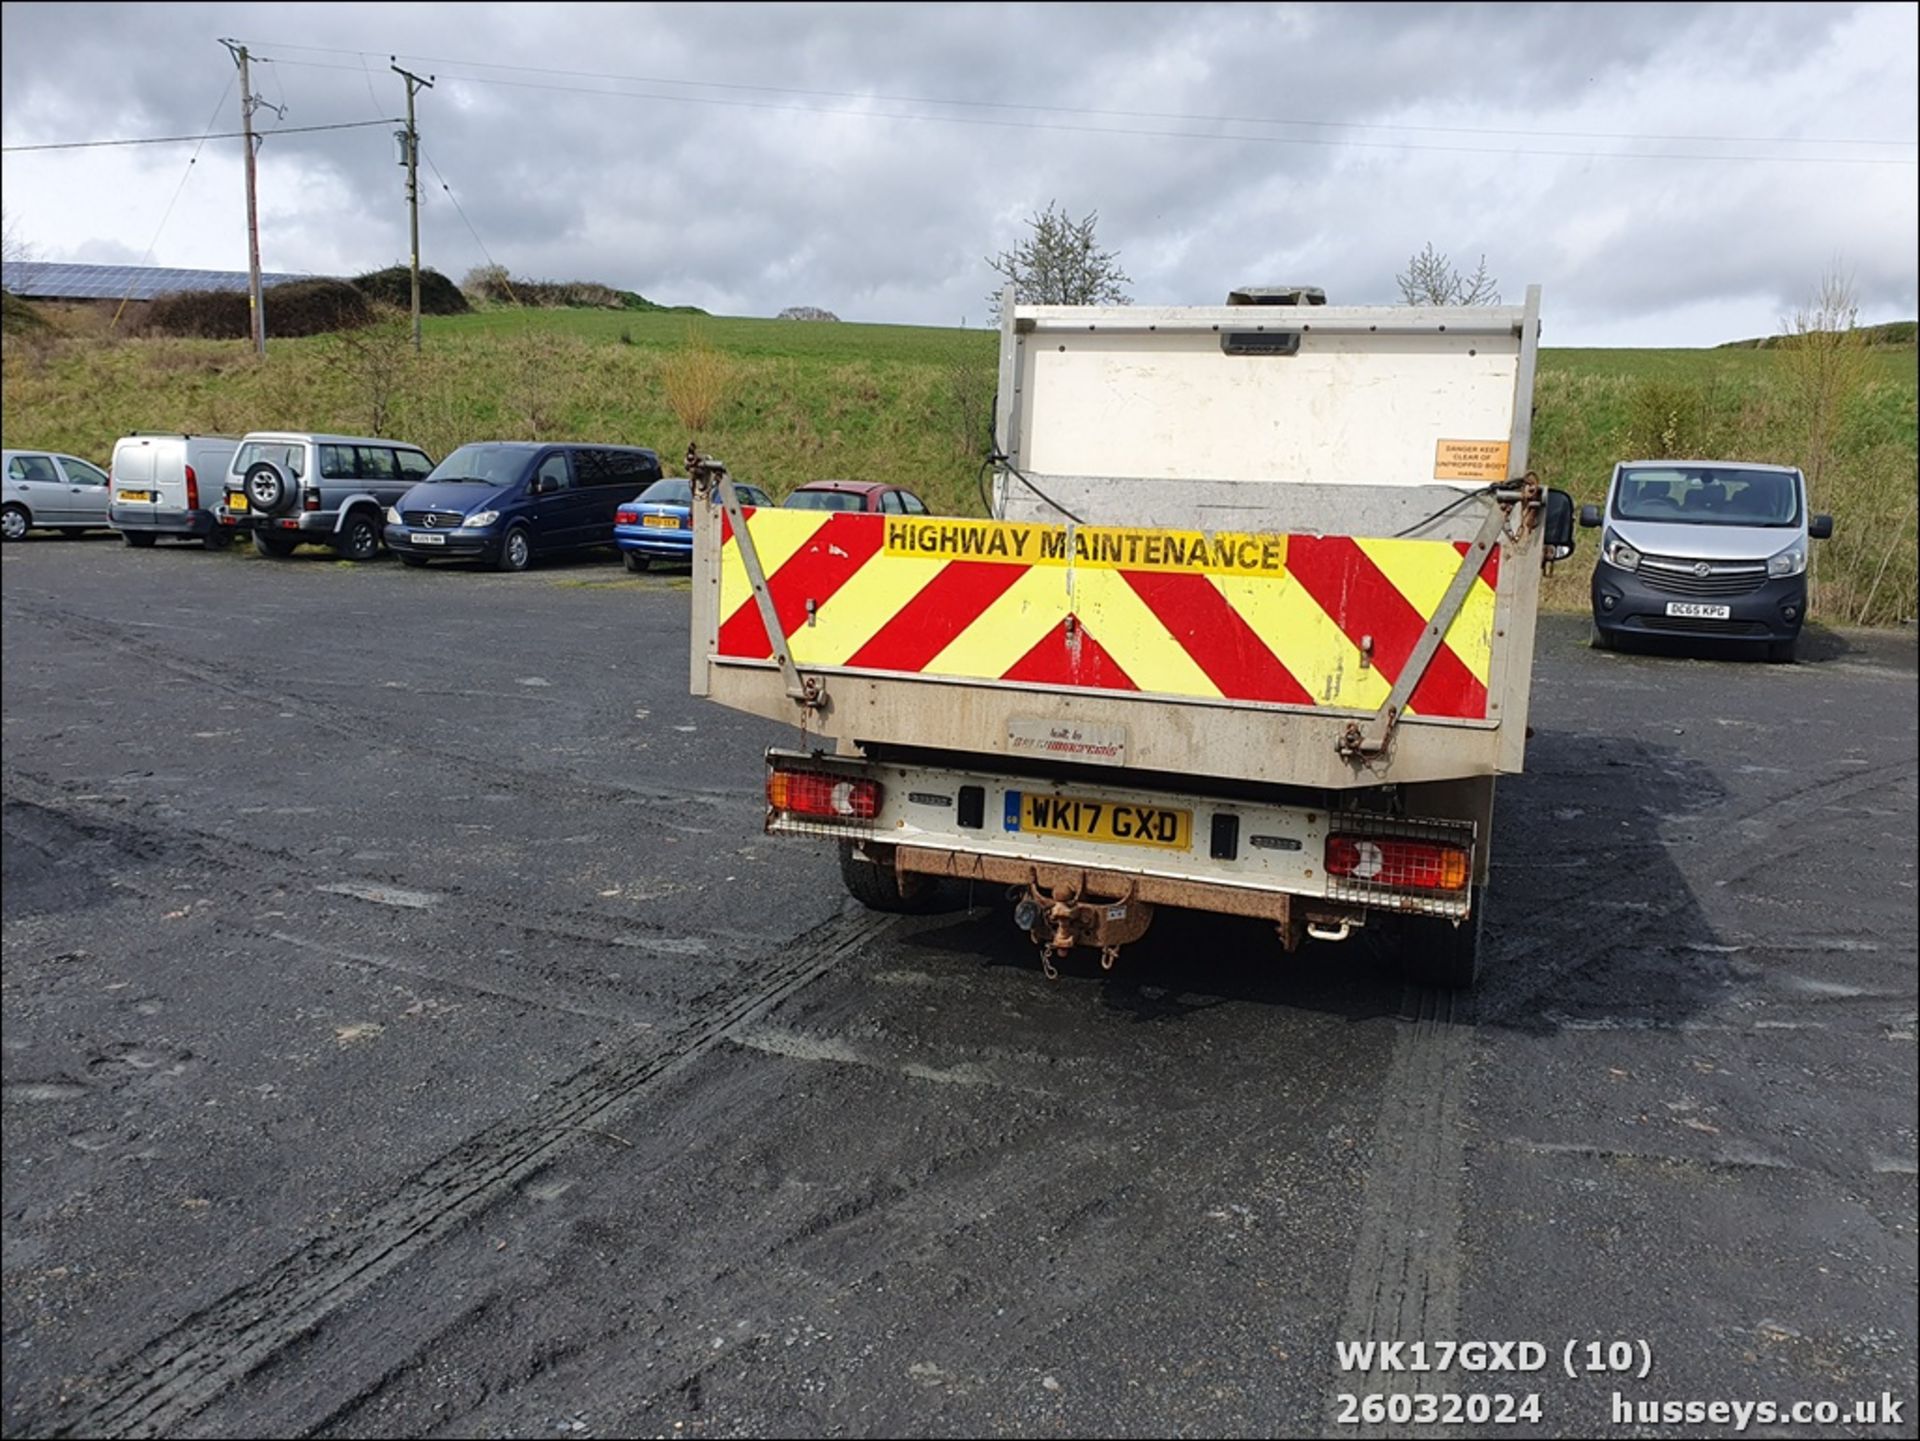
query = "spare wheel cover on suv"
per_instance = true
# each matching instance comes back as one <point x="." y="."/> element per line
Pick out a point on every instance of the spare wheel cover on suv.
<point x="267" y="489"/>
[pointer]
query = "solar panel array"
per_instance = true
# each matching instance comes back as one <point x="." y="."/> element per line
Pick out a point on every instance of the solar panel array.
<point x="54" y="280"/>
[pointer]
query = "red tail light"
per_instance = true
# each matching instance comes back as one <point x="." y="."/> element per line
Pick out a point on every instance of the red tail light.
<point x="193" y="490"/>
<point x="626" y="517"/>
<point x="1399" y="863"/>
<point x="810" y="793"/>
<point x="310" y="500"/>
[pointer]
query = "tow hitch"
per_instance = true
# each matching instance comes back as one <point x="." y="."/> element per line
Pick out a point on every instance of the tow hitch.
<point x="1065" y="916"/>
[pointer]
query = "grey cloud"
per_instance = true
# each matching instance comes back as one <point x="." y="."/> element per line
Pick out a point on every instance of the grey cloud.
<point x="764" y="201"/>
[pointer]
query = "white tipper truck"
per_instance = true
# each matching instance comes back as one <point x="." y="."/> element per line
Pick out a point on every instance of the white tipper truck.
<point x="1250" y="629"/>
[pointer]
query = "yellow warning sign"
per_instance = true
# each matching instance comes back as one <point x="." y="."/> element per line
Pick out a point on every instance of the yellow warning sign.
<point x="1098" y="547"/>
<point x="1470" y="460"/>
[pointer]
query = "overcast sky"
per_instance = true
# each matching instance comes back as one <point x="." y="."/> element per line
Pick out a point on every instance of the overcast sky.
<point x="1671" y="174"/>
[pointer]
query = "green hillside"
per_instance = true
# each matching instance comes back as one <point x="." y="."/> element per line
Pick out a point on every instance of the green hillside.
<point x="800" y="400"/>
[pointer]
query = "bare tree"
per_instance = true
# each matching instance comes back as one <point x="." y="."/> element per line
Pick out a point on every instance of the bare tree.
<point x="16" y="250"/>
<point x="1061" y="263"/>
<point x="372" y="361"/>
<point x="1431" y="279"/>
<point x="1826" y="354"/>
<point x="1826" y="364"/>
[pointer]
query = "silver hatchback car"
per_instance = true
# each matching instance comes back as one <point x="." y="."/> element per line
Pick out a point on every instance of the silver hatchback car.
<point x="47" y="489"/>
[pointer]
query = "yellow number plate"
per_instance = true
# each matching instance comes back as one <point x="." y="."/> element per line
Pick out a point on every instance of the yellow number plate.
<point x="1083" y="818"/>
<point x="236" y="500"/>
<point x="660" y="522"/>
<point x="135" y="495"/>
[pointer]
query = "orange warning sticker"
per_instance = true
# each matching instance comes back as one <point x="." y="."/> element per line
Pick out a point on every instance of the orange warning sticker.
<point x="1470" y="460"/>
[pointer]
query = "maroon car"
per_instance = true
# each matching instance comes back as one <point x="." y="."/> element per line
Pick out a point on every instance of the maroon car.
<point x="864" y="495"/>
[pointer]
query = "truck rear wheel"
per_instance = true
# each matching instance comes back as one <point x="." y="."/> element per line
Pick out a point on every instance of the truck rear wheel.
<point x="877" y="885"/>
<point x="1436" y="952"/>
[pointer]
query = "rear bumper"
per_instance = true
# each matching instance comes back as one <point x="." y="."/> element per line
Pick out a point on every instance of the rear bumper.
<point x="1624" y="604"/>
<point x="445" y="544"/>
<point x="1236" y="856"/>
<point x="161" y="522"/>
<point x="654" y="542"/>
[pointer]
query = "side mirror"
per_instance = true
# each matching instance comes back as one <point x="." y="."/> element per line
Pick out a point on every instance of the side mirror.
<point x="1558" y="526"/>
<point x="1589" y="516"/>
<point x="540" y="485"/>
<point x="1820" y="527"/>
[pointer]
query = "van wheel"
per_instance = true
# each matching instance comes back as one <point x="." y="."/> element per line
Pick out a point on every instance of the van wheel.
<point x="1780" y="652"/>
<point x="14" y="521"/>
<point x="1436" y="952"/>
<point x="140" y="539"/>
<point x="217" y="539"/>
<point x="636" y="562"/>
<point x="878" y="886"/>
<point x="1600" y="640"/>
<point x="516" y="550"/>
<point x="414" y="561"/>
<point x="277" y="546"/>
<point x="359" y="538"/>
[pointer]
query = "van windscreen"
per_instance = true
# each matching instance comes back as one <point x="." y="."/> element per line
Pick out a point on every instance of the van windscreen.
<point x="1707" y="495"/>
<point x="482" y="465"/>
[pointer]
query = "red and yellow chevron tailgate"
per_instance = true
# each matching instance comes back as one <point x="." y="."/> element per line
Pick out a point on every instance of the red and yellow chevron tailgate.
<point x="1274" y="619"/>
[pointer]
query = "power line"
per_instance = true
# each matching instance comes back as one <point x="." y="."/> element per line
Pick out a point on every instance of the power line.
<point x="167" y="214"/>
<point x="1132" y="131"/>
<point x="197" y="139"/>
<point x="1182" y="117"/>
<point x="468" y="223"/>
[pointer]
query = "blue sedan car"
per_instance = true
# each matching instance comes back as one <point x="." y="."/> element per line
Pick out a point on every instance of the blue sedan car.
<point x="658" y="524"/>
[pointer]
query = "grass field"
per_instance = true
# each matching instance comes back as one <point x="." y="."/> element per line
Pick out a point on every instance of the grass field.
<point x="801" y="400"/>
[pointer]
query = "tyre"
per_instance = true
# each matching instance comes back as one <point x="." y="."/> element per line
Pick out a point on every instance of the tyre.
<point x="415" y="562"/>
<point x="217" y="539"/>
<point x="359" y="538"/>
<point x="140" y="539"/>
<point x="1600" y="639"/>
<point x="516" y="550"/>
<point x="636" y="562"/>
<point x="1780" y="652"/>
<point x="878" y="886"/>
<point x="1436" y="952"/>
<point x="268" y="491"/>
<point x="279" y="547"/>
<point x="14" y="522"/>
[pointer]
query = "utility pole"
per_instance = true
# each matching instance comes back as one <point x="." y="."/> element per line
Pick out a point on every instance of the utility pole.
<point x="257" y="315"/>
<point x="414" y="84"/>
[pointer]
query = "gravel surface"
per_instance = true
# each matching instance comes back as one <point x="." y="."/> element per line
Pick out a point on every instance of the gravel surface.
<point x="408" y="1030"/>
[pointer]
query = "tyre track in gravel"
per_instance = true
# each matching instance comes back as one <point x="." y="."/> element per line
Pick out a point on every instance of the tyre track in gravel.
<point x="1404" y="1284"/>
<point x="1545" y="959"/>
<point x="156" y="1390"/>
<point x="117" y="824"/>
<point x="497" y="775"/>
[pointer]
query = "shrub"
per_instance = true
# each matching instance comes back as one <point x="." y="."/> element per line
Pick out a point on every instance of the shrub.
<point x="394" y="286"/>
<point x="300" y="307"/>
<point x="491" y="285"/>
<point x="20" y="317"/>
<point x="695" y="380"/>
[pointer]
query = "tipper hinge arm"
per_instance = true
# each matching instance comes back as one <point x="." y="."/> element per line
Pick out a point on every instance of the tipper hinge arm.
<point x="1364" y="739"/>
<point x="708" y="476"/>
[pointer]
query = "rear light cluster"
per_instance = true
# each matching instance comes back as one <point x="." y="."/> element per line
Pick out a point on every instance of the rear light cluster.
<point x="626" y="517"/>
<point x="830" y="797"/>
<point x="1399" y="863"/>
<point x="193" y="490"/>
<point x="311" y="500"/>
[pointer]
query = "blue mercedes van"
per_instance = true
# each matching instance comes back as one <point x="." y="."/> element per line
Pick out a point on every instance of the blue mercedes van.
<point x="506" y="502"/>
